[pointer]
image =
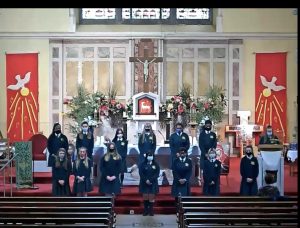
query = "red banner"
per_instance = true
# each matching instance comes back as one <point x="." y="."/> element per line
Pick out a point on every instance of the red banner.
<point x="22" y="96"/>
<point x="270" y="92"/>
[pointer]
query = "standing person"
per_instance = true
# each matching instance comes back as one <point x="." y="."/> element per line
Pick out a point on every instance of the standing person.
<point x="177" y="140"/>
<point x="207" y="140"/>
<point x="211" y="174"/>
<point x="85" y="138"/>
<point x="249" y="173"/>
<point x="149" y="172"/>
<point x="147" y="142"/>
<point x="121" y="144"/>
<point x="82" y="170"/>
<point x="110" y="168"/>
<point x="269" y="137"/>
<point x="61" y="169"/>
<point x="55" y="141"/>
<point x="182" y="171"/>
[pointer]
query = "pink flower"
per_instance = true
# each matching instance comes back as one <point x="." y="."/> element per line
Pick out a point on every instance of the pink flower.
<point x="206" y="105"/>
<point x="180" y="109"/>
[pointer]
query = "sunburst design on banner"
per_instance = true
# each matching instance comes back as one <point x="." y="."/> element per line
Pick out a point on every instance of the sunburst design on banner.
<point x="23" y="101"/>
<point x="268" y="103"/>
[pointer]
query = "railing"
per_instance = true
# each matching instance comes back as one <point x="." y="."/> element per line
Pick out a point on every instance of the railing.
<point x="9" y="165"/>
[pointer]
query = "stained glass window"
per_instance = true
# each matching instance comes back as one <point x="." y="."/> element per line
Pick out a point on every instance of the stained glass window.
<point x="98" y="13"/>
<point x="146" y="16"/>
<point x="192" y="13"/>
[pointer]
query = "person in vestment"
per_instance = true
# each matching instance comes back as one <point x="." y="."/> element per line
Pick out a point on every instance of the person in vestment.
<point x="110" y="168"/>
<point x="182" y="172"/>
<point x="147" y="142"/>
<point x="121" y="144"/>
<point x="249" y="173"/>
<point x="82" y="170"/>
<point x="269" y="137"/>
<point x="56" y="140"/>
<point x="269" y="190"/>
<point x="149" y="172"/>
<point x="61" y="169"/>
<point x="207" y="140"/>
<point x="85" y="138"/>
<point x="211" y="174"/>
<point x="178" y="139"/>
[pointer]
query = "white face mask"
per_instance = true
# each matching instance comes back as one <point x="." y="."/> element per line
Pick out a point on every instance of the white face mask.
<point x="212" y="156"/>
<point x="84" y="129"/>
<point x="120" y="135"/>
<point x="150" y="158"/>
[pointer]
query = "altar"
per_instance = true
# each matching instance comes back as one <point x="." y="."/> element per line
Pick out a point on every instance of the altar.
<point x="162" y="156"/>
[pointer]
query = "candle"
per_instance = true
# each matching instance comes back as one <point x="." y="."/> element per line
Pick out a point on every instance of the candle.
<point x="168" y="115"/>
<point x="124" y="114"/>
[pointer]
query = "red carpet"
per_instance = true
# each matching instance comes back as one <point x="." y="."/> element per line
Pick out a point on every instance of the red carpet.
<point x="130" y="199"/>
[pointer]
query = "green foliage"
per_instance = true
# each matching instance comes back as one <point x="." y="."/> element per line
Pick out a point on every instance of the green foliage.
<point x="212" y="106"/>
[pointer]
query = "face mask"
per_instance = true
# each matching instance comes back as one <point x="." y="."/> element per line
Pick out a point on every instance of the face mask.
<point x="120" y="135"/>
<point x="269" y="133"/>
<point x="208" y="128"/>
<point x="178" y="130"/>
<point x="147" y="129"/>
<point x="111" y="149"/>
<point x="150" y="158"/>
<point x="248" y="152"/>
<point x="182" y="155"/>
<point x="212" y="156"/>
<point x="58" y="131"/>
<point x="84" y="129"/>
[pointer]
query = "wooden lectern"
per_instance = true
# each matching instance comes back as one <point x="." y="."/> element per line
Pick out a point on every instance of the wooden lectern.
<point x="270" y="147"/>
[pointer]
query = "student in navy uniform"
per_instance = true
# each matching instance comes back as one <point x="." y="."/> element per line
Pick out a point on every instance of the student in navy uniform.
<point x="249" y="173"/>
<point x="207" y="140"/>
<point x="55" y="141"/>
<point x="110" y="168"/>
<point x="149" y="172"/>
<point x="211" y="174"/>
<point x="177" y="140"/>
<point x="147" y="142"/>
<point x="269" y="137"/>
<point x="61" y="169"/>
<point x="85" y="138"/>
<point x="82" y="170"/>
<point x="182" y="171"/>
<point x="121" y="144"/>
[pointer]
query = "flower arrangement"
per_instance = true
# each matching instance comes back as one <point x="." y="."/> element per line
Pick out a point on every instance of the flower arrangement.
<point x="88" y="106"/>
<point x="82" y="108"/>
<point x="212" y="106"/>
<point x="181" y="103"/>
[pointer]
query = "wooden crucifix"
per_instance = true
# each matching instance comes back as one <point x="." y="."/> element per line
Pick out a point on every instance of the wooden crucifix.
<point x="144" y="70"/>
<point x="244" y="131"/>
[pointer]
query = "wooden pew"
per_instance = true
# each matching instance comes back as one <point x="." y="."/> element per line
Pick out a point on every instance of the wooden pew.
<point x="221" y="211"/>
<point x="57" y="211"/>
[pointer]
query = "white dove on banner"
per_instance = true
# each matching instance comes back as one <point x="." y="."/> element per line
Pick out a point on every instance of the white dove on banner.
<point x="270" y="85"/>
<point x="21" y="84"/>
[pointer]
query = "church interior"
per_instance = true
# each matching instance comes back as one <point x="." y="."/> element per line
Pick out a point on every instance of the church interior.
<point x="125" y="67"/>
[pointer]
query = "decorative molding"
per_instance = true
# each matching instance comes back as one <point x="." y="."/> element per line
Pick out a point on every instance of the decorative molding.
<point x="149" y="35"/>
